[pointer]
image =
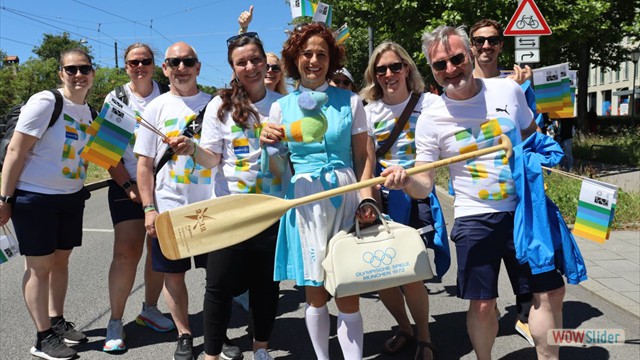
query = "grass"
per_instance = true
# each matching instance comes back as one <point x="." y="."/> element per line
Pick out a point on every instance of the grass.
<point x="564" y="192"/>
<point x="618" y="146"/>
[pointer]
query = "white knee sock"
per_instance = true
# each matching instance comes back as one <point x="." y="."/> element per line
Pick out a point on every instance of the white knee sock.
<point x="317" y="320"/>
<point x="350" y="335"/>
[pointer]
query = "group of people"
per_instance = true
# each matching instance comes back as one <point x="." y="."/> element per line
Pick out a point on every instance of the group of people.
<point x="43" y="174"/>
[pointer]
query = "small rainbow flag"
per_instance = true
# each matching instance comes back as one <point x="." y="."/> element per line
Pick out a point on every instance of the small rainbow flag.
<point x="552" y="86"/>
<point x="302" y="8"/>
<point x="110" y="133"/>
<point x="342" y="34"/>
<point x="596" y="208"/>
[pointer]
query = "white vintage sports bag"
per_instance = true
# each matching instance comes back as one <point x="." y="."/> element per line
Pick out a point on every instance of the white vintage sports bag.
<point x="378" y="257"/>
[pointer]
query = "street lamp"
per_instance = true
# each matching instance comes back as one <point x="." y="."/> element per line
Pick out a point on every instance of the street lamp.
<point x="635" y="56"/>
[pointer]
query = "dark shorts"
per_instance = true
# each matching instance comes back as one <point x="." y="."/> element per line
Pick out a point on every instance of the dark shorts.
<point x="45" y="223"/>
<point x="482" y="241"/>
<point x="121" y="207"/>
<point x="160" y="263"/>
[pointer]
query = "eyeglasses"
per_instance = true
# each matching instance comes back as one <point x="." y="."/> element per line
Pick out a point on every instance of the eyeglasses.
<point x="73" y="69"/>
<point x="175" y="62"/>
<point x="144" y="62"/>
<point x="493" y="40"/>
<point x="273" y="67"/>
<point x="345" y="82"/>
<point x="235" y="38"/>
<point x="395" y="68"/>
<point x="455" y="60"/>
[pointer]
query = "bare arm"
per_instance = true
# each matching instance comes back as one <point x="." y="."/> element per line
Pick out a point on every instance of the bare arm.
<point x="418" y="186"/>
<point x="362" y="148"/>
<point x="12" y="168"/>
<point x="146" y="187"/>
<point x="120" y="175"/>
<point x="183" y="145"/>
<point x="533" y="127"/>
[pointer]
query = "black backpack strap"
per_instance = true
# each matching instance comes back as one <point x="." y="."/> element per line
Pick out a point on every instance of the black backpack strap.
<point x="163" y="88"/>
<point x="121" y="94"/>
<point x="57" y="108"/>
<point x="402" y="120"/>
<point x="191" y="129"/>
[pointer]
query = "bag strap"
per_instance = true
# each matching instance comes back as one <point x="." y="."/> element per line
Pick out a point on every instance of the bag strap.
<point x="402" y="120"/>
<point x="57" y="108"/>
<point x="121" y="94"/>
<point x="191" y="129"/>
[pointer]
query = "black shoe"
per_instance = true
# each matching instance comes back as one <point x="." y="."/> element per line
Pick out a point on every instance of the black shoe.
<point x="230" y="351"/>
<point x="52" y="348"/>
<point x="184" y="349"/>
<point x="67" y="332"/>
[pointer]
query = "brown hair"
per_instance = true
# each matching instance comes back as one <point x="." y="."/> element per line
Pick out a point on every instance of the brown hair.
<point x="294" y="45"/>
<point x="281" y="86"/>
<point x="136" y="46"/>
<point x="485" y="23"/>
<point x="74" y="51"/>
<point x="236" y="97"/>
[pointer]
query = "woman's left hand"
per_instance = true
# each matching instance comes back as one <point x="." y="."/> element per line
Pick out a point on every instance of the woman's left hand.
<point x="366" y="213"/>
<point x="5" y="213"/>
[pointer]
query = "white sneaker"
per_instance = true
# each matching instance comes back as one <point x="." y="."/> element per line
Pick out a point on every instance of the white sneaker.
<point x="114" y="340"/>
<point x="153" y="318"/>
<point x="262" y="354"/>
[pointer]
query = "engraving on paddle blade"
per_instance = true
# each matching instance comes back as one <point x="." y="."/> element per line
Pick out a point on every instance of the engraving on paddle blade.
<point x="200" y="219"/>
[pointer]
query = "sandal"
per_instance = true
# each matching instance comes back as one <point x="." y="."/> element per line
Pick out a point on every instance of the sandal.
<point x="422" y="346"/>
<point x="400" y="341"/>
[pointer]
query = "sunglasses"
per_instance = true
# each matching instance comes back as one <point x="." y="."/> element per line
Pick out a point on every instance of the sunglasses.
<point x="135" y="63"/>
<point x="455" y="60"/>
<point x="345" y="82"/>
<point x="395" y="68"/>
<point x="273" y="67"/>
<point x="493" y="40"/>
<point x="175" y="62"/>
<point x="73" y="69"/>
<point x="234" y="38"/>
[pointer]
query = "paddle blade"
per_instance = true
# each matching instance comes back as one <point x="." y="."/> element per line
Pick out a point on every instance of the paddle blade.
<point x="214" y="224"/>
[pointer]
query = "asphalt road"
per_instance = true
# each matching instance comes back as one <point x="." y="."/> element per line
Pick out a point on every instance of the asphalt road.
<point x="88" y="307"/>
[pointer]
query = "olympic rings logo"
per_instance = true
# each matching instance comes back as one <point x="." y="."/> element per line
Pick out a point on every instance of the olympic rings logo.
<point x="379" y="257"/>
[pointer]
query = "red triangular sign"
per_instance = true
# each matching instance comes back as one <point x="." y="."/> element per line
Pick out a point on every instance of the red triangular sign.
<point x="527" y="20"/>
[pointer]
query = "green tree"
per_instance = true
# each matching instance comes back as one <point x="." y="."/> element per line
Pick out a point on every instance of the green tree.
<point x="105" y="81"/>
<point x="53" y="45"/>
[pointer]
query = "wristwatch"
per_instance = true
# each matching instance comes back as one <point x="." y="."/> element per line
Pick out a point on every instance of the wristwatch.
<point x="7" y="199"/>
<point x="127" y="184"/>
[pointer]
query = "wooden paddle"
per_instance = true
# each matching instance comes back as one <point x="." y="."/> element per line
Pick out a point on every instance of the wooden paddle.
<point x="217" y="223"/>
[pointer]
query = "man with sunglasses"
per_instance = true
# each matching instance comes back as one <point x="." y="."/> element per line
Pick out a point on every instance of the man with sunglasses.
<point x="486" y="46"/>
<point x="470" y="115"/>
<point x="180" y="181"/>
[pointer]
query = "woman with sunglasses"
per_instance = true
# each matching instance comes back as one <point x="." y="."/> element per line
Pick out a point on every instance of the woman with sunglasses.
<point x="231" y="142"/>
<point x="42" y="178"/>
<point x="343" y="79"/>
<point x="391" y="77"/>
<point x="311" y="56"/>
<point x="126" y="212"/>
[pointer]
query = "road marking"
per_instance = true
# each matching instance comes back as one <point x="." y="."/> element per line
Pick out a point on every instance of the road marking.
<point x="98" y="230"/>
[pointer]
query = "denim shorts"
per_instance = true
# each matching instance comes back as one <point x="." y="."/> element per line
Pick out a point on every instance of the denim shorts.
<point x="45" y="223"/>
<point x="482" y="241"/>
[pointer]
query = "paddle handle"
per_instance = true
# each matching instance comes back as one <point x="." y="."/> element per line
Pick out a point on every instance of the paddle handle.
<point x="505" y="144"/>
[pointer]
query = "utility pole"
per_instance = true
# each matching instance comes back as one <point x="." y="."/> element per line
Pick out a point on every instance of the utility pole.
<point x="115" y="49"/>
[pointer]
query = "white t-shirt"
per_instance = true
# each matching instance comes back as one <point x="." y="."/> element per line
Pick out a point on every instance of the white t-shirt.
<point x="136" y="104"/>
<point x="359" y="118"/>
<point x="54" y="165"/>
<point x="383" y="118"/>
<point x="180" y="181"/>
<point x="238" y="171"/>
<point x="450" y="127"/>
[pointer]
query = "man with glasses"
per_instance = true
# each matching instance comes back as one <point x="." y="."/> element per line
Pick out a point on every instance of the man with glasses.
<point x="178" y="181"/>
<point x="470" y="115"/>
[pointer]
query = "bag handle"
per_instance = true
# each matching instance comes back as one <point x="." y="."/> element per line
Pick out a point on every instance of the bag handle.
<point x="384" y="222"/>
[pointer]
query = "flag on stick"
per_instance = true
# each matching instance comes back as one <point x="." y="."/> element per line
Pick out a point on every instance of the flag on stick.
<point x="302" y="8"/>
<point x="323" y="13"/>
<point x="342" y="34"/>
<point x="596" y="208"/>
<point x="552" y="86"/>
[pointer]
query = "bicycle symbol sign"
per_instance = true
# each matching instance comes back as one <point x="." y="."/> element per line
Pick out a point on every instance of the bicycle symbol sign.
<point x="527" y="20"/>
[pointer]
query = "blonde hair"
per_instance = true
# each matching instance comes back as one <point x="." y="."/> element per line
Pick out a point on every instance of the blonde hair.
<point x="281" y="86"/>
<point x="372" y="90"/>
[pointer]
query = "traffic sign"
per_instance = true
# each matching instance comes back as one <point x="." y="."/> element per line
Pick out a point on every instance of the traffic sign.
<point x="528" y="56"/>
<point x="527" y="20"/>
<point x="527" y="42"/>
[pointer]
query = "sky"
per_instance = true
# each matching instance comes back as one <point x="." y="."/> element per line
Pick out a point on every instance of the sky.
<point x="203" y="24"/>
